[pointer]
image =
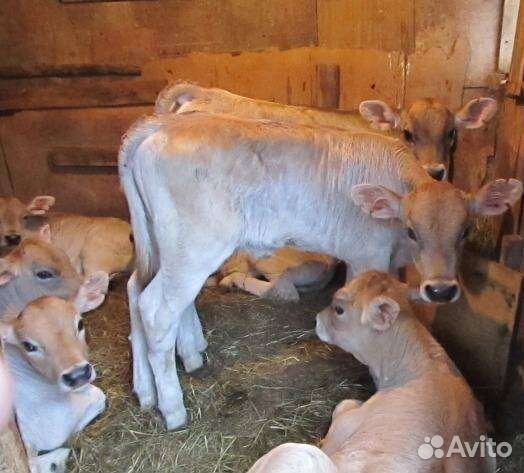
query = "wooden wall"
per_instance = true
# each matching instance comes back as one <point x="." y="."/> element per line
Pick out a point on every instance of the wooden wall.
<point x="75" y="73"/>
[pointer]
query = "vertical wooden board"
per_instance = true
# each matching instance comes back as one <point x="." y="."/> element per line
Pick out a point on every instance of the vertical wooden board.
<point x="5" y="181"/>
<point x="516" y="73"/>
<point x="370" y="24"/>
<point x="13" y="458"/>
<point x="326" y="86"/>
<point x="477" y="330"/>
<point x="30" y="137"/>
<point x="475" y="150"/>
<point x="435" y="73"/>
<point x="507" y="34"/>
<point x="36" y="32"/>
<point x="474" y="24"/>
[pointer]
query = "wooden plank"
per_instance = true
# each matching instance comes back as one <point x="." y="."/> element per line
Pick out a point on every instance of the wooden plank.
<point x="43" y="32"/>
<point x="477" y="331"/>
<point x="474" y="157"/>
<point x="507" y="34"/>
<point x="13" y="458"/>
<point x="327" y="87"/>
<point x="516" y="72"/>
<point x="68" y="70"/>
<point x="46" y="93"/>
<point x="64" y="157"/>
<point x="30" y="137"/>
<point x="369" y="24"/>
<point x="6" y="187"/>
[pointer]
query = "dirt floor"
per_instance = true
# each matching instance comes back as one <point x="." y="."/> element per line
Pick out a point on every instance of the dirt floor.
<point x="267" y="380"/>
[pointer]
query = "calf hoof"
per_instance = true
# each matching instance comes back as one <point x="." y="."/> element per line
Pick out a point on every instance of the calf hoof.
<point x="176" y="419"/>
<point x="51" y="462"/>
<point x="282" y="290"/>
<point x="146" y="400"/>
<point x="193" y="362"/>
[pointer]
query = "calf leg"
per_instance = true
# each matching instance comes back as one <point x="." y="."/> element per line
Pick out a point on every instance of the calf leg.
<point x="279" y="288"/>
<point x="143" y="380"/>
<point x="190" y="340"/>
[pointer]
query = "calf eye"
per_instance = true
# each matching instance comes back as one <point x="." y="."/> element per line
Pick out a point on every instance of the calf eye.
<point x="44" y="274"/>
<point x="29" y="347"/>
<point x="408" y="136"/>
<point x="465" y="233"/>
<point x="411" y="234"/>
<point x="339" y="310"/>
<point x="452" y="136"/>
<point x="80" y="325"/>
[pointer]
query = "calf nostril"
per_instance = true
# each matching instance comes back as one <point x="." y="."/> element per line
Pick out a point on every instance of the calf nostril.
<point x="441" y="292"/>
<point x="12" y="239"/>
<point x="78" y="376"/>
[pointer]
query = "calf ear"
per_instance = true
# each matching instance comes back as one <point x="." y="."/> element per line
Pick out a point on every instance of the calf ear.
<point x="496" y="197"/>
<point x="379" y="114"/>
<point x="44" y="233"/>
<point x="92" y="292"/>
<point x="377" y="201"/>
<point x="7" y="332"/>
<point x="7" y="271"/>
<point x="381" y="312"/>
<point x="41" y="204"/>
<point x="476" y="113"/>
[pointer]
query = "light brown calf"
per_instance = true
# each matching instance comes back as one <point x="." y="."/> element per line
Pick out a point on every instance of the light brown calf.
<point x="421" y="394"/>
<point x="33" y="269"/>
<point x="92" y="243"/>
<point x="427" y="127"/>
<point x="282" y="275"/>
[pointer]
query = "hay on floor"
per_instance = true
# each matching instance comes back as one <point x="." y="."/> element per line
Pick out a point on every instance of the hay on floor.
<point x="267" y="380"/>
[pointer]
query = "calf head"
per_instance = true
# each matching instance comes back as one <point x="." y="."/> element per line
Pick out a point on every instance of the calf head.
<point x="17" y="219"/>
<point x="370" y="304"/>
<point x="35" y="268"/>
<point x="436" y="218"/>
<point x="430" y="128"/>
<point x="50" y="334"/>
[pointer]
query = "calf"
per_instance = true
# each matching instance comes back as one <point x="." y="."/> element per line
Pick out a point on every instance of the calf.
<point x="428" y="127"/>
<point x="47" y="354"/>
<point x="92" y="243"/>
<point x="421" y="394"/>
<point x="285" y="273"/>
<point x="33" y="269"/>
<point x="200" y="186"/>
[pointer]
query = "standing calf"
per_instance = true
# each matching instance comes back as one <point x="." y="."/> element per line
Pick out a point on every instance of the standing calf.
<point x="421" y="394"/>
<point x="92" y="243"/>
<point x="428" y="127"/>
<point x="200" y="186"/>
<point x="47" y="354"/>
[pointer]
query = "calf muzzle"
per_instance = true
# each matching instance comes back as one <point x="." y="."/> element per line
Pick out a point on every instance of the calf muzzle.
<point x="440" y="291"/>
<point x="12" y="239"/>
<point x="78" y="376"/>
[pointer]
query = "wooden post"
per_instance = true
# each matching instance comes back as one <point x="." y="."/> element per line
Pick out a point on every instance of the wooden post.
<point x="13" y="457"/>
<point x="327" y="86"/>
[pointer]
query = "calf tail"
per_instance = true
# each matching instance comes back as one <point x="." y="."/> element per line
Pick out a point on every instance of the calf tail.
<point x="173" y="96"/>
<point x="146" y="261"/>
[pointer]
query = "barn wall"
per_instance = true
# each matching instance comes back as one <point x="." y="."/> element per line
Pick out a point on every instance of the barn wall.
<point x="74" y="74"/>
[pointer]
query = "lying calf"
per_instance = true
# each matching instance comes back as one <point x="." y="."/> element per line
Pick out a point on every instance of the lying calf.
<point x="47" y="355"/>
<point x="421" y="394"/>
<point x="92" y="243"/>
<point x="33" y="269"/>
<point x="285" y="273"/>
